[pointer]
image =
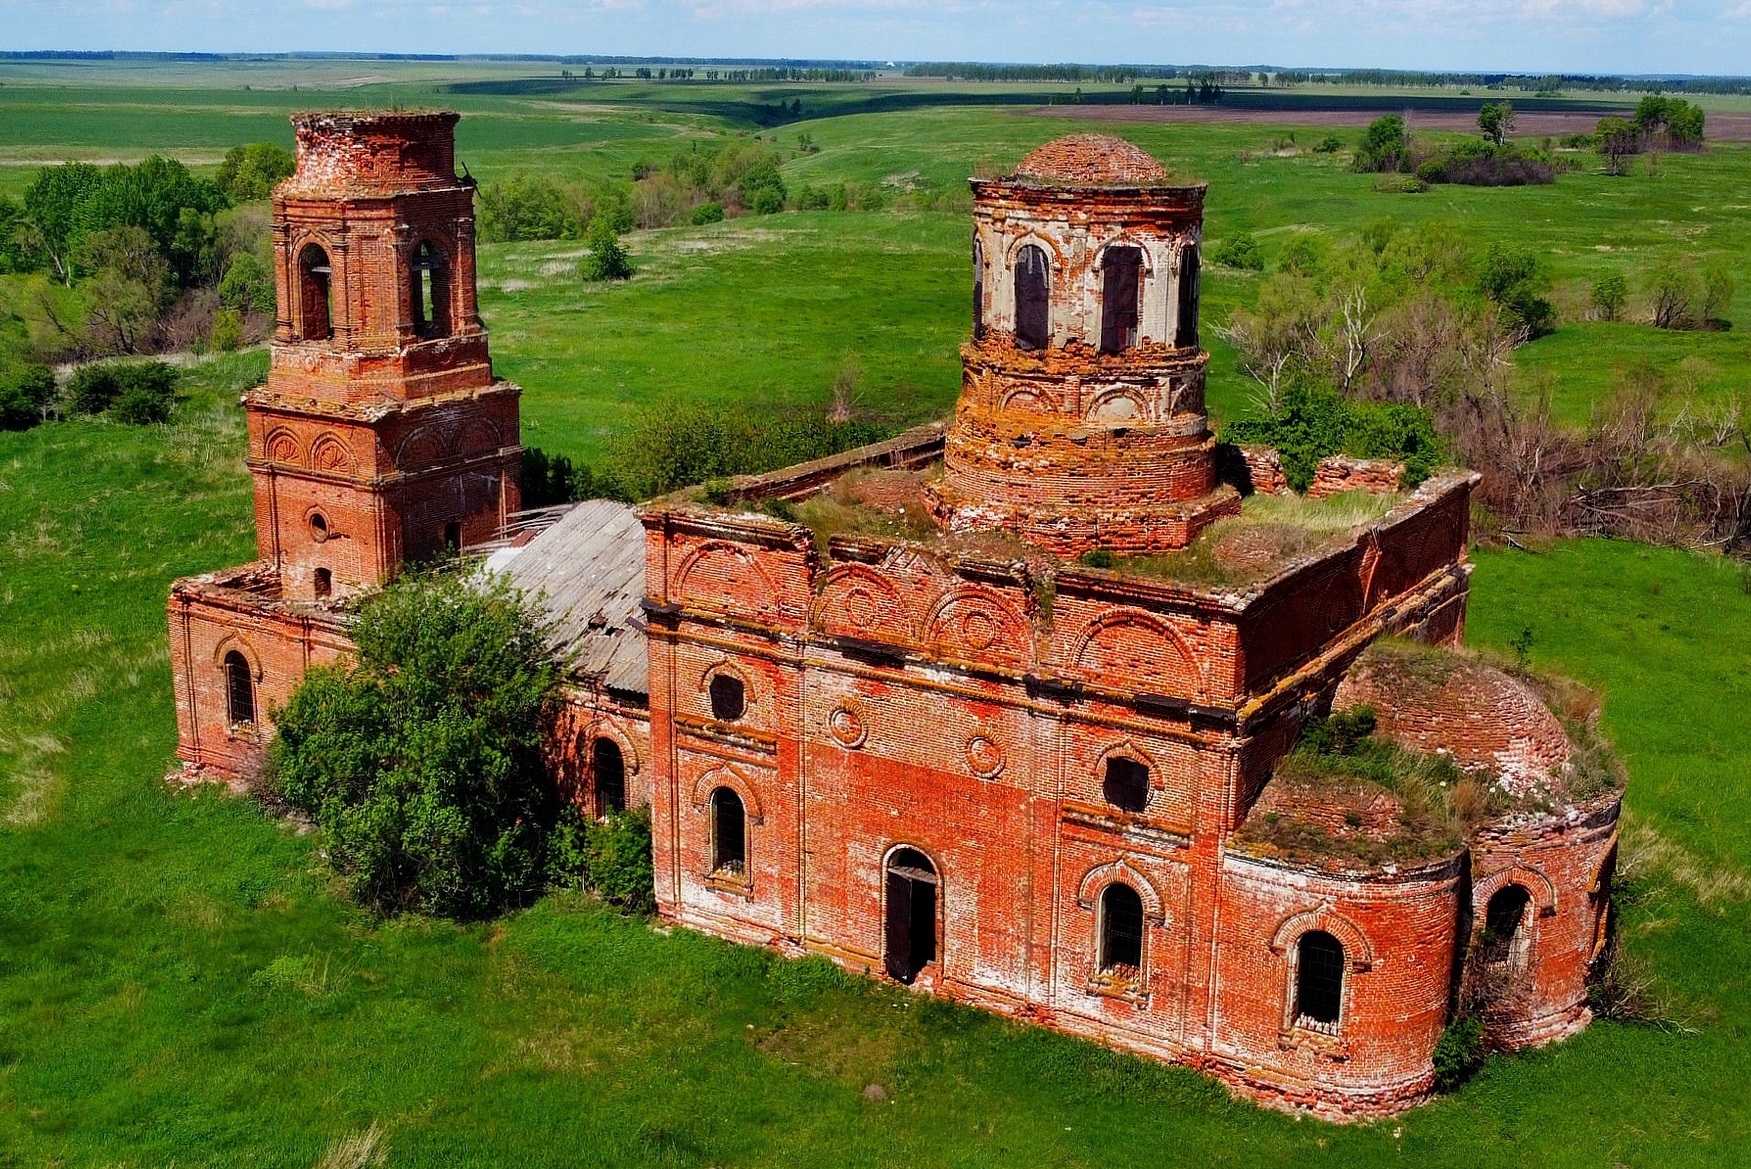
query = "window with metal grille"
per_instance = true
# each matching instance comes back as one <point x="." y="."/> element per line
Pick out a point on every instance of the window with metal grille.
<point x="315" y="315"/>
<point x="729" y="834"/>
<point x="1121" y="289"/>
<point x="729" y="698"/>
<point x="1126" y="785"/>
<point x="1319" y="981"/>
<point x="239" y="689"/>
<point x="1033" y="298"/>
<point x="1121" y="930"/>
<point x="608" y="768"/>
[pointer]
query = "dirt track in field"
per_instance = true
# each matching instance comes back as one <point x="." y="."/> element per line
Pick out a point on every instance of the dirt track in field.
<point x="1721" y="127"/>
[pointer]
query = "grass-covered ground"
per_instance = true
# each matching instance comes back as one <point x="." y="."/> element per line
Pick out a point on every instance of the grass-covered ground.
<point x="178" y="986"/>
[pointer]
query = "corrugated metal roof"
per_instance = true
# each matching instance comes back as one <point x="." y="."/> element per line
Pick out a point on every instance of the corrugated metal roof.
<point x="587" y="573"/>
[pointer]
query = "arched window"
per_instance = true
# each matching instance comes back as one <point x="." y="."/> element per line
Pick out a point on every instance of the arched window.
<point x="1186" y="331"/>
<point x="1033" y="298"/>
<point x="315" y="313"/>
<point x="1121" y="930"/>
<point x="978" y="287"/>
<point x="729" y="697"/>
<point x="608" y="769"/>
<point x="729" y="834"/>
<point x="1319" y="981"/>
<point x="1126" y="785"/>
<point x="1121" y="288"/>
<point x="1504" y="935"/>
<point x="911" y="919"/>
<point x="239" y="689"/>
<point x="430" y="292"/>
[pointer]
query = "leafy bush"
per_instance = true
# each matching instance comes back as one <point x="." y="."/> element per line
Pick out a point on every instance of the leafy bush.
<point x="227" y="332"/>
<point x="148" y="393"/>
<point x="1459" y="1053"/>
<point x="26" y="389"/>
<point x="247" y="286"/>
<point x="705" y="213"/>
<point x="250" y="172"/>
<point x="1330" y="144"/>
<point x="422" y="762"/>
<point x="1610" y="294"/>
<point x="612" y="856"/>
<point x="766" y="200"/>
<point x="526" y="208"/>
<point x="1674" y="293"/>
<point x="1240" y="250"/>
<point x="1384" y="146"/>
<point x="679" y="444"/>
<point x="93" y="387"/>
<point x="1516" y="278"/>
<point x="1313" y="423"/>
<point x="607" y="259"/>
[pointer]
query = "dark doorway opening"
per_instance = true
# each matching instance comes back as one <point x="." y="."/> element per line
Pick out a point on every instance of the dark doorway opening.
<point x="1121" y="930"/>
<point x="609" y="769"/>
<point x="729" y="834"/>
<point x="315" y="315"/>
<point x="1503" y="940"/>
<point x="430" y="293"/>
<point x="1126" y="786"/>
<point x="1120" y="291"/>
<point x="911" y="924"/>
<point x="1033" y="298"/>
<point x="978" y="289"/>
<point x="453" y="536"/>
<point x="324" y="583"/>
<point x="1186" y="331"/>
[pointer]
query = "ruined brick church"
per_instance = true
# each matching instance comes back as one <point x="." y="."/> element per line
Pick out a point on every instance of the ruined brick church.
<point x="1002" y="708"/>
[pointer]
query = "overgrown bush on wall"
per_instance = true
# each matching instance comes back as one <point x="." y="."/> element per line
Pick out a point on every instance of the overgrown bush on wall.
<point x="422" y="761"/>
<point x="1314" y="423"/>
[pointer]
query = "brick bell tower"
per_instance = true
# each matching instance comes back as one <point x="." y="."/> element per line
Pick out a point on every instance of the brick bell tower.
<point x="1081" y="420"/>
<point x="381" y="434"/>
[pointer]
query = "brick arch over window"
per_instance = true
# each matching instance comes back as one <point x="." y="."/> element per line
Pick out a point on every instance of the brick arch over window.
<point x="859" y="601"/>
<point x="725" y="667"/>
<point x="1034" y="398"/>
<point x="607" y="728"/>
<point x="731" y="777"/>
<point x="1358" y="952"/>
<point x="234" y="643"/>
<point x="1131" y="644"/>
<point x="312" y="277"/>
<point x="1095" y="882"/>
<point x="1124" y="240"/>
<point x="979" y="622"/>
<point x="330" y="453"/>
<point x="479" y="437"/>
<point x="282" y="446"/>
<point x="741" y="574"/>
<point x="1541" y="887"/>
<point x="422" y="448"/>
<point x="1126" y="405"/>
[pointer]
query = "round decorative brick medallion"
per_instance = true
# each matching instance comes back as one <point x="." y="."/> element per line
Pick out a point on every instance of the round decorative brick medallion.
<point x="978" y="630"/>
<point x="984" y="757"/>
<point x="847" y="727"/>
<point x="860" y="606"/>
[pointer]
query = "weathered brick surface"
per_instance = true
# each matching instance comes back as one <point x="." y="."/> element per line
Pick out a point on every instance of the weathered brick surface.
<point x="376" y="439"/>
<point x="1340" y="473"/>
<point x="898" y="696"/>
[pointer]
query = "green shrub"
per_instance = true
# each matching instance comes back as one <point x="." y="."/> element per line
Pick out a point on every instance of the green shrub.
<point x="1098" y="558"/>
<point x="706" y="213"/>
<point x="26" y="389"/>
<point x="1330" y="144"/>
<point x="1516" y="278"/>
<point x="1239" y="251"/>
<point x="227" y="334"/>
<point x="607" y="259"/>
<point x="766" y="200"/>
<point x="526" y="208"/>
<point x="250" y="172"/>
<point x="247" y="286"/>
<point x="93" y="387"/>
<point x="143" y="404"/>
<point x="1459" y="1053"/>
<point x="1313" y="423"/>
<point x="1384" y="145"/>
<point x="611" y="856"/>
<point x="422" y="762"/>
<point x="1610" y="294"/>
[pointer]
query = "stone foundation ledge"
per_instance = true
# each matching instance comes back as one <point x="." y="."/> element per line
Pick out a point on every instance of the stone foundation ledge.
<point x="1551" y="1026"/>
<point x="1333" y="1102"/>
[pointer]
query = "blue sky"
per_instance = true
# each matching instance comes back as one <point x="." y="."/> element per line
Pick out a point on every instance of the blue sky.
<point x="1606" y="36"/>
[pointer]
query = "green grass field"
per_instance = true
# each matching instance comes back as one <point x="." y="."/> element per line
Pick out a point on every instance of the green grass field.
<point x="178" y="985"/>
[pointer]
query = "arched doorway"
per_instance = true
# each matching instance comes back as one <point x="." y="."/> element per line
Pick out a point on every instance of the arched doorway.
<point x="1121" y="289"/>
<point x="608" y="768"/>
<point x="1033" y="298"/>
<point x="911" y="913"/>
<point x="315" y="312"/>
